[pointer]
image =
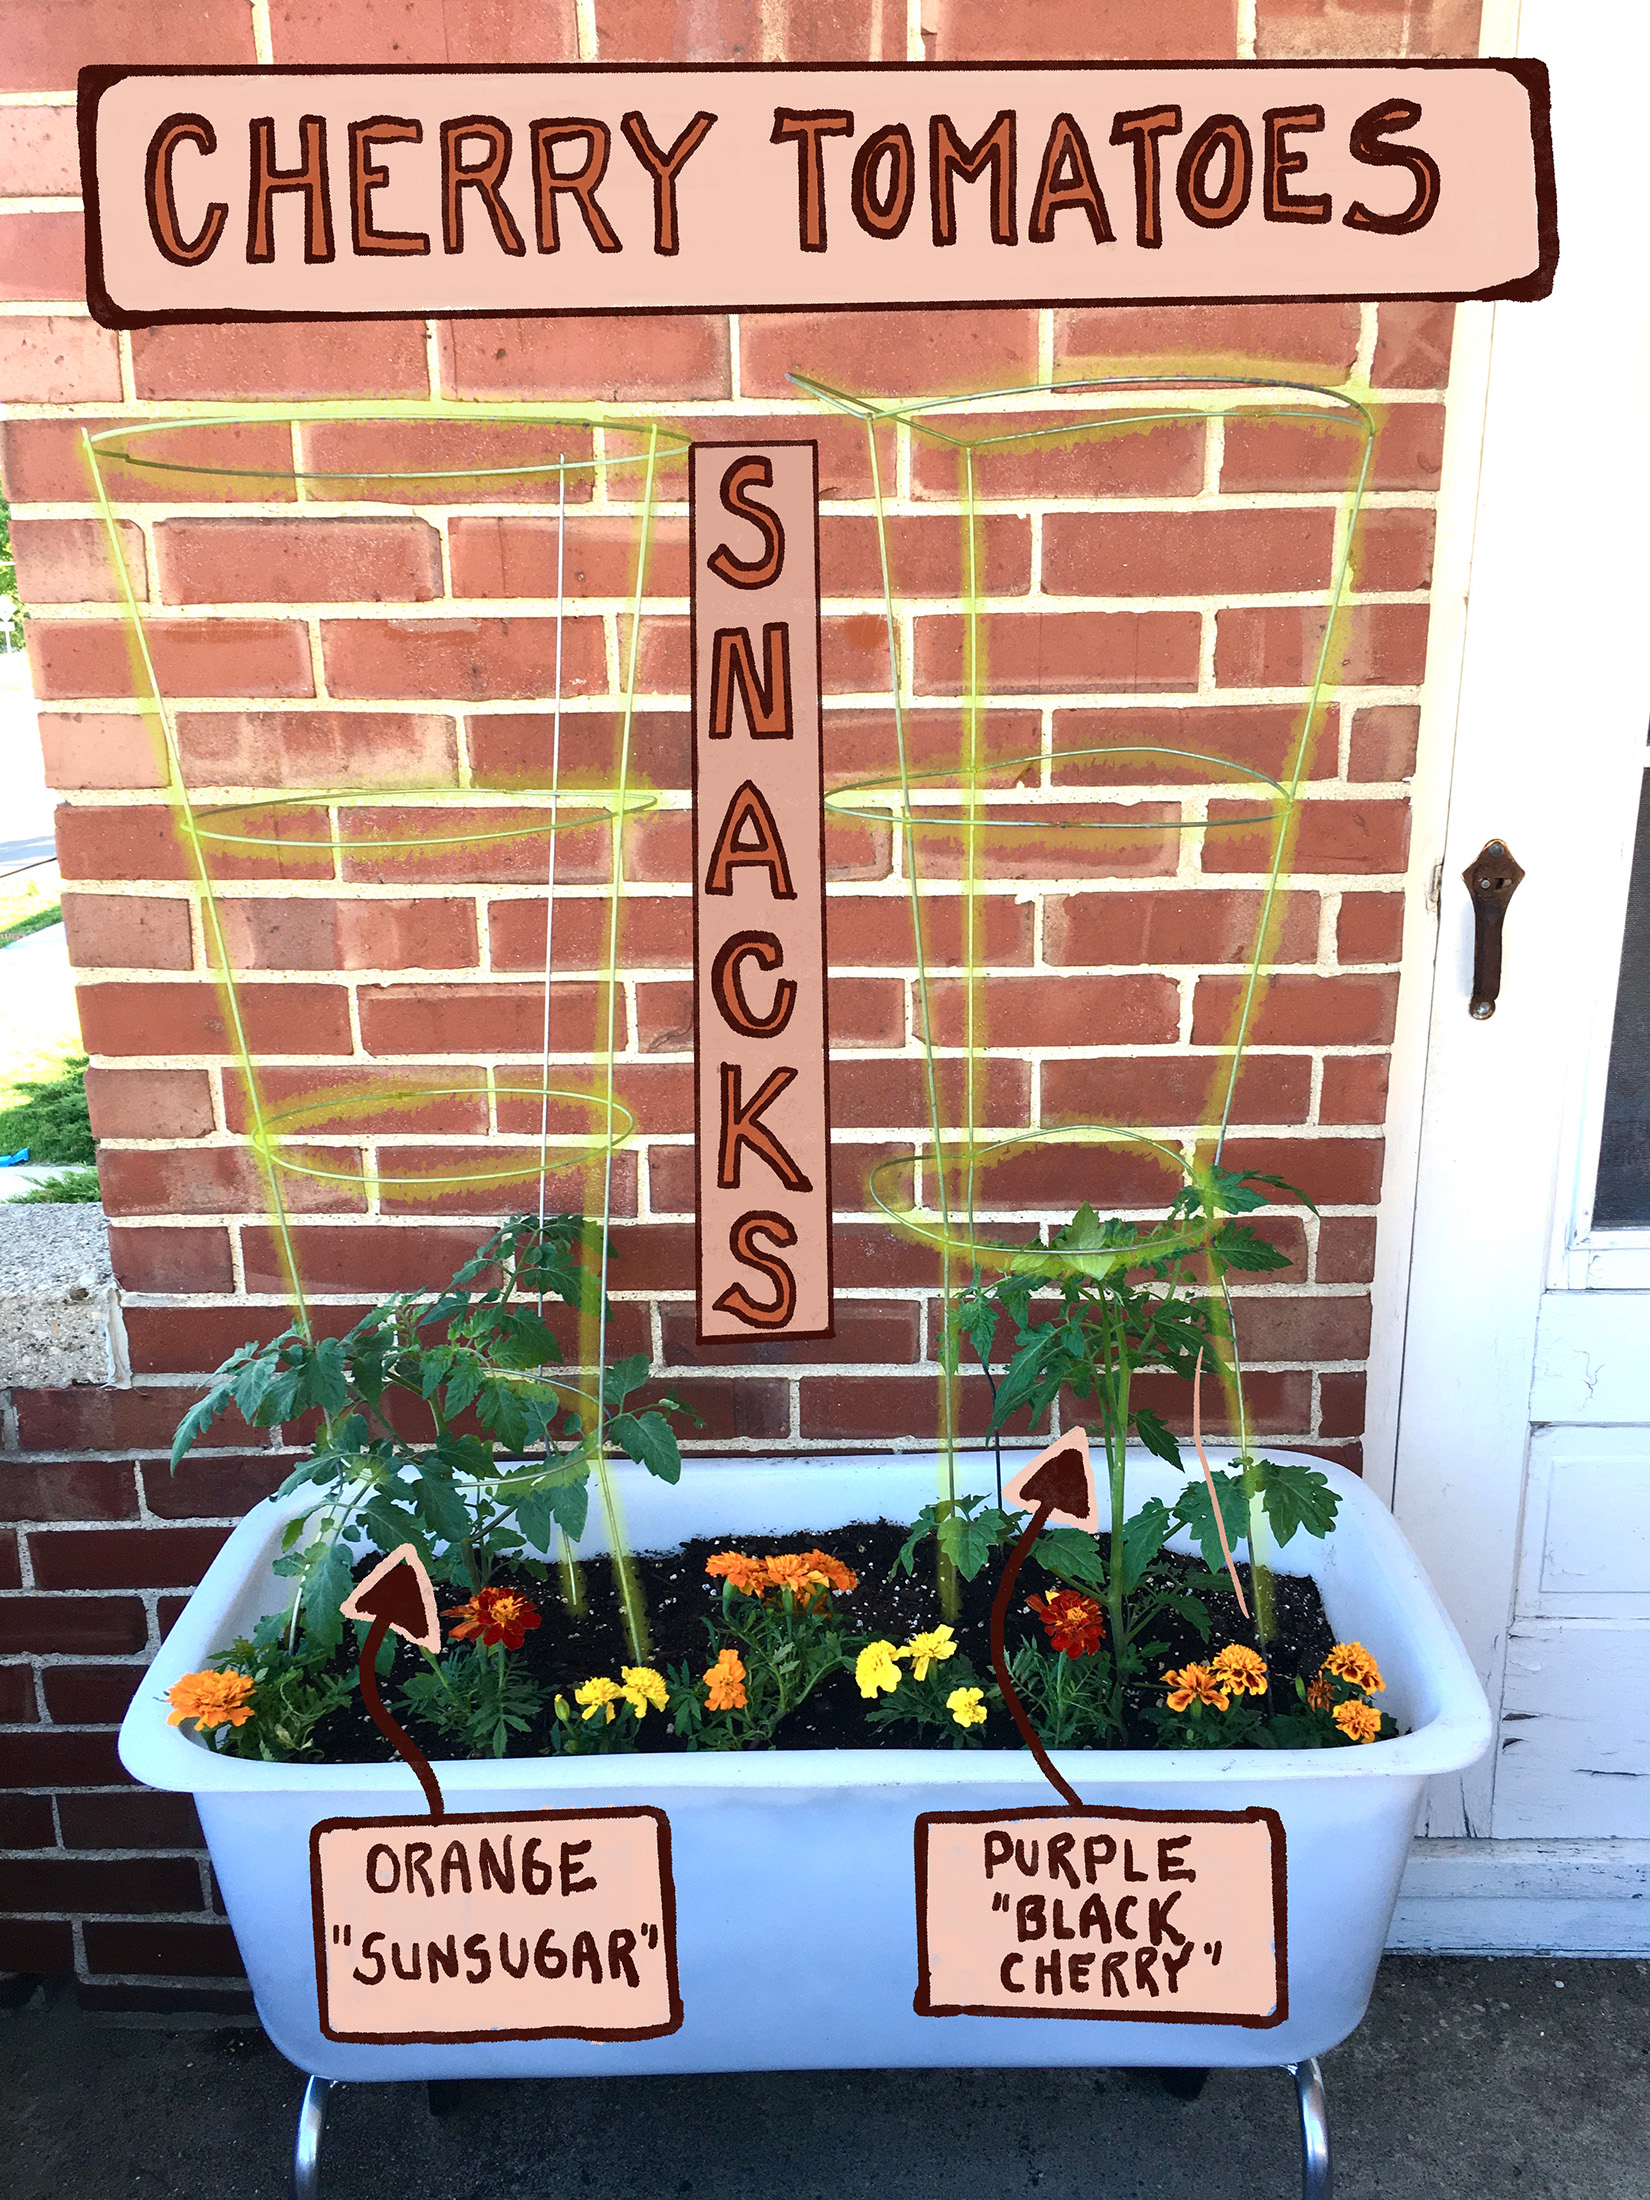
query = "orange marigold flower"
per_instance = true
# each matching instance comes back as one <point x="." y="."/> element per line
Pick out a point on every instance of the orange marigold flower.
<point x="791" y="1572"/>
<point x="1320" y="1695"/>
<point x="1352" y="1663"/>
<point x="725" y="1682"/>
<point x="1075" y="1624"/>
<point x="1241" y="1670"/>
<point x="1359" y="1722"/>
<point x="1196" y="1684"/>
<point x="748" y="1575"/>
<point x="211" y="1699"/>
<point x="831" y="1571"/>
<point x="495" y="1616"/>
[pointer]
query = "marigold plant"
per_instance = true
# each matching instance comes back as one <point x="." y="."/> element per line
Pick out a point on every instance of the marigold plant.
<point x="1242" y="1671"/>
<point x="211" y="1700"/>
<point x="1075" y="1624"/>
<point x="725" y="1683"/>
<point x="1352" y="1663"/>
<point x="876" y="1671"/>
<point x="494" y="1617"/>
<point x="967" y="1706"/>
<point x="1359" y="1722"/>
<point x="1196" y="1684"/>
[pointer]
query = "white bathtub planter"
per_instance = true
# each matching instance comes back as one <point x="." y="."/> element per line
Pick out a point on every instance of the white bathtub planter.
<point x="811" y="1852"/>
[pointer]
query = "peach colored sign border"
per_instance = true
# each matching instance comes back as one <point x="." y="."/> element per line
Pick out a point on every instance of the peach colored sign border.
<point x="762" y="1210"/>
<point x="947" y="1947"/>
<point x="742" y="213"/>
<point x="491" y="1910"/>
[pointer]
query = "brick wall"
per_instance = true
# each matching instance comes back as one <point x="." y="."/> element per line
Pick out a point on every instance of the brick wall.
<point x="286" y="674"/>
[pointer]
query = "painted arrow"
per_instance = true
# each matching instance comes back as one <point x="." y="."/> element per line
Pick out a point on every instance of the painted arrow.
<point x="1059" y="1484"/>
<point x="397" y="1593"/>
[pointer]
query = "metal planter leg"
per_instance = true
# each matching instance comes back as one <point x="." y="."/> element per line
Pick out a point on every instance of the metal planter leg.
<point x="306" y="2153"/>
<point x="1317" y="2175"/>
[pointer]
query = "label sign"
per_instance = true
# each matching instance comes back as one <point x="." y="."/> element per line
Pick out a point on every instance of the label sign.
<point x="530" y="1925"/>
<point x="223" y="194"/>
<point x="1151" y="1918"/>
<point x="761" y="1104"/>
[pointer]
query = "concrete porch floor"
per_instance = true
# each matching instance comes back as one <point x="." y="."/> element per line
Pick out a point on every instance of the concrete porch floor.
<point x="1472" y="2078"/>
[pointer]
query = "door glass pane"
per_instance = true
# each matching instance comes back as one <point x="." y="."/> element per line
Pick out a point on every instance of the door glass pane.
<point x="1623" y="1195"/>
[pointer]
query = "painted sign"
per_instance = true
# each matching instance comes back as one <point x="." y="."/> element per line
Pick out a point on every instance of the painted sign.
<point x="1149" y="1917"/>
<point x="524" y="1925"/>
<point x="762" y="1112"/>
<point x="351" y="193"/>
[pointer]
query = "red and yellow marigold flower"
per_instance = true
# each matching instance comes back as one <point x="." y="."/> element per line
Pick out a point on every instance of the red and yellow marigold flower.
<point x="1359" y="1722"/>
<point x="1194" y="1684"/>
<point x="725" y="1682"/>
<point x="494" y="1616"/>
<point x="211" y="1699"/>
<point x="1352" y="1663"/>
<point x="1075" y="1624"/>
<point x="1241" y="1671"/>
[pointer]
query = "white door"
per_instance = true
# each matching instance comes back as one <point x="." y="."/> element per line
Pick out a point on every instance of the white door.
<point x="1518" y="1372"/>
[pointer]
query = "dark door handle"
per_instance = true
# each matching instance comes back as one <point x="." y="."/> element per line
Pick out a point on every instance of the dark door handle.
<point x="1492" y="880"/>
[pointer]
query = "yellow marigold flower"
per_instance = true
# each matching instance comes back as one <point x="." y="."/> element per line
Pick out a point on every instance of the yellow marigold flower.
<point x="211" y="1699"/>
<point x="930" y="1649"/>
<point x="725" y="1682"/>
<point x="1196" y="1684"/>
<point x="875" y="1670"/>
<point x="1352" y="1663"/>
<point x="1359" y="1722"/>
<point x="598" y="1695"/>
<point x="1241" y="1670"/>
<point x="967" y="1706"/>
<point x="748" y="1575"/>
<point x="642" y="1686"/>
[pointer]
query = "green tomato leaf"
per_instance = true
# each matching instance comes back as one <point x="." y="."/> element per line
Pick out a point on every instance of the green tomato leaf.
<point x="1156" y="1436"/>
<point x="623" y="1377"/>
<point x="1144" y="1535"/>
<point x="1071" y="1555"/>
<point x="1296" y="1497"/>
<point x="1193" y="1509"/>
<point x="649" y="1440"/>
<point x="441" y="1508"/>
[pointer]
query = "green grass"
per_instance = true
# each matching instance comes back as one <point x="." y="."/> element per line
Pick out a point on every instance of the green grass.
<point x="43" y="1107"/>
<point x="75" y="1187"/>
<point x="25" y="911"/>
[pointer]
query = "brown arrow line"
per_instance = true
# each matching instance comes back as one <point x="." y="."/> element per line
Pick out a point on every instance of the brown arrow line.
<point x="397" y="1737"/>
<point x="999" y="1661"/>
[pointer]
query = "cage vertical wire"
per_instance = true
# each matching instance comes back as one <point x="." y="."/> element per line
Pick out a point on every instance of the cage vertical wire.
<point x="966" y="815"/>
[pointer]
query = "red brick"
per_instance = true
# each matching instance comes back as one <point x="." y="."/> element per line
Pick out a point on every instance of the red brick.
<point x="1094" y="840"/>
<point x="743" y="1408"/>
<point x="129" y="1886"/>
<point x="102" y="1418"/>
<point x="1341" y="1404"/>
<point x="97" y="1695"/>
<point x="1201" y="927"/>
<point x="46" y="461"/>
<point x="171" y="1260"/>
<point x="291" y="934"/>
<point x="888" y="354"/>
<point x="424" y="844"/>
<point x="176" y="1340"/>
<point x="1289" y="454"/>
<point x="1354" y="1089"/>
<point x="1051" y="459"/>
<point x="17" y="1703"/>
<point x="436" y="33"/>
<point x="1376" y="645"/>
<point x="26" y="1820"/>
<point x="1370" y="928"/>
<point x="149" y="1103"/>
<point x="481" y="1180"/>
<point x="927" y="555"/>
<point x="68" y="560"/>
<point x="511" y="556"/>
<point x="42" y="256"/>
<point x="128" y="843"/>
<point x="282" y="359"/>
<point x="654" y="933"/>
<point x="1189" y="1090"/>
<point x="1312" y="1329"/>
<point x="101" y="749"/>
<point x="164" y="2001"/>
<point x="191" y="657"/>
<point x="1316" y="342"/>
<point x="888" y="1095"/>
<point x="328" y="749"/>
<point x="482" y="1019"/>
<point x="874" y="1407"/>
<point x="748" y="30"/>
<point x="664" y="1017"/>
<point x="37" y="1944"/>
<point x="127" y="932"/>
<point x="1305" y="30"/>
<point x="190" y="1019"/>
<point x="869" y="1332"/>
<point x="1393" y="550"/>
<point x="615" y="357"/>
<point x="57" y="359"/>
<point x="844" y="452"/>
<point x="172" y="1951"/>
<point x="344" y="1101"/>
<point x="131" y="1818"/>
<point x="447" y="461"/>
<point x="1115" y="652"/>
<point x="1346" y="1249"/>
<point x="46" y="47"/>
<point x="1080" y="30"/>
<point x="658" y="1094"/>
<point x="123" y="1558"/>
<point x="212" y="1488"/>
<point x="68" y="1489"/>
<point x="1304" y="1010"/>
<point x="376" y="1258"/>
<point x="1412" y="345"/>
<point x="40" y="156"/>
<point x="44" y="1625"/>
<point x="1384" y="739"/>
<point x="516" y="749"/>
<point x="1199" y="745"/>
<point x="1073" y="1011"/>
<point x="871" y="1256"/>
<point x="222" y="1180"/>
<point x="1217" y="553"/>
<point x="11" y="1571"/>
<point x="298" y="561"/>
<point x="1278" y="1404"/>
<point x="1363" y="837"/>
<point x="1330" y="1171"/>
<point x="463" y="660"/>
<point x="865" y="928"/>
<point x="861" y="744"/>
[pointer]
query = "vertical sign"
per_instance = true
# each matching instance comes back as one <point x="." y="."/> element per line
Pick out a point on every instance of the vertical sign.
<point x="760" y="1085"/>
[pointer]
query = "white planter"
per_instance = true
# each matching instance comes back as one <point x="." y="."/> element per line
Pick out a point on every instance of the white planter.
<point x="794" y="1875"/>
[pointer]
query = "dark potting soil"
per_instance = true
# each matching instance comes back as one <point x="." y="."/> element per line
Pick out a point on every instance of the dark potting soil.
<point x="569" y="1647"/>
